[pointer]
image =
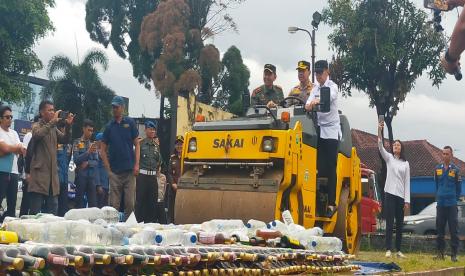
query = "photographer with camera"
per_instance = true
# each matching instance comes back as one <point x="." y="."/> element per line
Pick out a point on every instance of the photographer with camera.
<point x="44" y="183"/>
<point x="451" y="60"/>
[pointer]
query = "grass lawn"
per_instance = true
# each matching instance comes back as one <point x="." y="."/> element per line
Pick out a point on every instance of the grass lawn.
<point x="413" y="262"/>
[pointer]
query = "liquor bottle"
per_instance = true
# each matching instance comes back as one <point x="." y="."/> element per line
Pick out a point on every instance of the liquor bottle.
<point x="287" y="242"/>
<point x="116" y="258"/>
<point x="100" y="259"/>
<point x="9" y="259"/>
<point x="138" y="258"/>
<point x="30" y="262"/>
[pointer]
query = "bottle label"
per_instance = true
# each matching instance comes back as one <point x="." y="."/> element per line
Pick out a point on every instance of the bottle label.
<point x="58" y="260"/>
<point x="120" y="260"/>
<point x="287" y="217"/>
<point x="207" y="238"/>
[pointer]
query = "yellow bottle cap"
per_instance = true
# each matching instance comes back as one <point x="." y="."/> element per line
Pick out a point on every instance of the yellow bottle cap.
<point x="18" y="263"/>
<point x="40" y="263"/>
<point x="78" y="261"/>
<point x="128" y="259"/>
<point x="157" y="261"/>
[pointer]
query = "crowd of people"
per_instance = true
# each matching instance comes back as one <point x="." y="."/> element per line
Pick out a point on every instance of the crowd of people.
<point x="115" y="167"/>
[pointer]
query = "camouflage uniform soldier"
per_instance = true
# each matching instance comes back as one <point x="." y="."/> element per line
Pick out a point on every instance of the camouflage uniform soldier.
<point x="267" y="94"/>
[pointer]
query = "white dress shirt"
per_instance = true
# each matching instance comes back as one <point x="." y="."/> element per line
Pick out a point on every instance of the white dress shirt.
<point x="330" y="126"/>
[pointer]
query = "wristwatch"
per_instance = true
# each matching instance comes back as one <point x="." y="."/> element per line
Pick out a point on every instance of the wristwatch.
<point x="448" y="58"/>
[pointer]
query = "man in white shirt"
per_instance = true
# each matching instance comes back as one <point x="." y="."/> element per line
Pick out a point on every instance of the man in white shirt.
<point x="11" y="147"/>
<point x="330" y="131"/>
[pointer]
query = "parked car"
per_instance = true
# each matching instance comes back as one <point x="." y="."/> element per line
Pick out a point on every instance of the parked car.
<point x="424" y="223"/>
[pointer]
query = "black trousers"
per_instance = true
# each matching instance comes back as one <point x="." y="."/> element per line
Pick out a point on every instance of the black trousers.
<point x="43" y="203"/>
<point x="63" y="199"/>
<point x="327" y="164"/>
<point x="24" y="209"/>
<point x="9" y="189"/>
<point x="447" y="215"/>
<point x="161" y="214"/>
<point x="102" y="199"/>
<point x="393" y="208"/>
<point x="146" y="198"/>
<point x="86" y="185"/>
<point x="170" y="200"/>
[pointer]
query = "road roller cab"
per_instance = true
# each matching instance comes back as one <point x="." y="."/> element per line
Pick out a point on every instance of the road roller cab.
<point x="263" y="164"/>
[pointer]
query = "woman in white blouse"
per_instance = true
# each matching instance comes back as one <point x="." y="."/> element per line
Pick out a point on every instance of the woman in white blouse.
<point x="397" y="190"/>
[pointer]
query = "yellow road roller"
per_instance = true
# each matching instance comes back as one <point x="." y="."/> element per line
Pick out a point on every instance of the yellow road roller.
<point x="264" y="163"/>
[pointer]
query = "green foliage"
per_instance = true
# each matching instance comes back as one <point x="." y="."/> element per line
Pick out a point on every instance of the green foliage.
<point x="117" y="23"/>
<point x="22" y="23"/>
<point x="382" y="47"/>
<point x="79" y="89"/>
<point x="234" y="82"/>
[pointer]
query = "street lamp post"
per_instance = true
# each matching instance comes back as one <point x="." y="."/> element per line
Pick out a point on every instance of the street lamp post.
<point x="315" y="22"/>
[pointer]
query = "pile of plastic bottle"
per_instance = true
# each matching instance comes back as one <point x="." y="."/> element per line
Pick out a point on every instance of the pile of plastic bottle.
<point x="92" y="240"/>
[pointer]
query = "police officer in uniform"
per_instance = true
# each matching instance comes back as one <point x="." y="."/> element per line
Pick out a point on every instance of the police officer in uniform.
<point x="147" y="185"/>
<point x="86" y="160"/>
<point x="448" y="190"/>
<point x="303" y="89"/>
<point x="268" y="94"/>
<point x="174" y="173"/>
<point x="64" y="152"/>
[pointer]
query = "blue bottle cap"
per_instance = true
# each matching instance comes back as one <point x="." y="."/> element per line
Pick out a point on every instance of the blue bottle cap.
<point x="158" y="238"/>
<point x="248" y="225"/>
<point x="125" y="240"/>
<point x="193" y="239"/>
<point x="313" y="243"/>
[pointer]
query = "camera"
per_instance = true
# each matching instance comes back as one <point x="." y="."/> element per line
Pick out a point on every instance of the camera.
<point x="63" y="115"/>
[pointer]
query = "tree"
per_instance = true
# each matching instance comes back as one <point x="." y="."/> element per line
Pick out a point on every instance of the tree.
<point x="78" y="88"/>
<point x="234" y="82"/>
<point x="382" y="47"/>
<point x="22" y="23"/>
<point x="119" y="23"/>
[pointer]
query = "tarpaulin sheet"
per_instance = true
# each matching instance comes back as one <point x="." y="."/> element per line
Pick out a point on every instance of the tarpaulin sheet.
<point x="370" y="268"/>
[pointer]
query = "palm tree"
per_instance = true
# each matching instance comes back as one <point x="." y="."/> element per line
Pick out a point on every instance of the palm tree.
<point x="79" y="89"/>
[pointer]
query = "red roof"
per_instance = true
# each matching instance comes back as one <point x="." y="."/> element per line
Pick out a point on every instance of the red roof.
<point x="422" y="156"/>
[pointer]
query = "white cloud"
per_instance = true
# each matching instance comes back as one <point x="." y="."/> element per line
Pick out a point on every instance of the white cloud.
<point x="71" y="37"/>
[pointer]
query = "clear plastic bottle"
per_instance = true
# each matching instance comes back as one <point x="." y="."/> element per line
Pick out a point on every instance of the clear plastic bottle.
<point x="90" y="214"/>
<point x="222" y="225"/>
<point x="279" y="226"/>
<point x="169" y="237"/>
<point x="57" y="232"/>
<point x="117" y="238"/>
<point x="253" y="225"/>
<point x="323" y="244"/>
<point x="83" y="232"/>
<point x="189" y="239"/>
<point x="110" y="214"/>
